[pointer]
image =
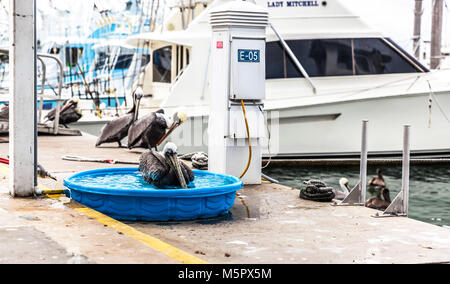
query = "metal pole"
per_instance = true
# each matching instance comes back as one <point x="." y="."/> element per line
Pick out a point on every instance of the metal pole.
<point x="436" y="34"/>
<point x="23" y="127"/>
<point x="406" y="165"/>
<point x="418" y="12"/>
<point x="294" y="58"/>
<point x="363" y="166"/>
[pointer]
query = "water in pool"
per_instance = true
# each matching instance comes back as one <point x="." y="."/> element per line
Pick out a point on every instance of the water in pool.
<point x="134" y="181"/>
<point x="429" y="186"/>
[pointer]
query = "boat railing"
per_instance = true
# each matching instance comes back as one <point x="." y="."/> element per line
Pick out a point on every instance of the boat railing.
<point x="57" y="97"/>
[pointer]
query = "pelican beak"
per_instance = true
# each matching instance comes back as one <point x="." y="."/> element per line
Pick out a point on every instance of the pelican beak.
<point x="175" y="163"/>
<point x="179" y="119"/>
<point x="67" y="106"/>
<point x="138" y="104"/>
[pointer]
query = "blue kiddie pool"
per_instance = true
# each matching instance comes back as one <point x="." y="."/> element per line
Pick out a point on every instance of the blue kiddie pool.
<point x="123" y="194"/>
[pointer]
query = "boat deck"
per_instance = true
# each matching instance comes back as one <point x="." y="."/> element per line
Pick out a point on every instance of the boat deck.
<point x="268" y="224"/>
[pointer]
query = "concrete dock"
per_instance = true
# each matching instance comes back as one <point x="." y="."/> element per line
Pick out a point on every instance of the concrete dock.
<point x="268" y="224"/>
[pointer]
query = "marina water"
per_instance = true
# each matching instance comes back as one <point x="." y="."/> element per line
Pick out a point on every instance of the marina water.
<point x="429" y="186"/>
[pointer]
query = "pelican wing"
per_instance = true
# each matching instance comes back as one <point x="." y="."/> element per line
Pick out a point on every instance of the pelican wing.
<point x="138" y="129"/>
<point x="187" y="173"/>
<point x="153" y="166"/>
<point x="71" y="115"/>
<point x="115" y="130"/>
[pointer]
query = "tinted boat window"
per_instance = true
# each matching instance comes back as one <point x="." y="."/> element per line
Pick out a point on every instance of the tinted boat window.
<point x="374" y="56"/>
<point x="321" y="57"/>
<point x="124" y="61"/>
<point x="162" y="65"/>
<point x="333" y="57"/>
<point x="274" y="61"/>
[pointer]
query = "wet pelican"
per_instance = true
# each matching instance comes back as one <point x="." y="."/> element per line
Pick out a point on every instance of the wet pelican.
<point x="150" y="131"/>
<point x="69" y="113"/>
<point x="378" y="203"/>
<point x="116" y="130"/>
<point x="165" y="169"/>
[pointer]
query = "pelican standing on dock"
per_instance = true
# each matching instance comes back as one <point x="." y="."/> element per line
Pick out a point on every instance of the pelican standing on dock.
<point x="69" y="113"/>
<point x="150" y="131"/>
<point x="116" y="130"/>
<point x="345" y="189"/>
<point x="165" y="169"/>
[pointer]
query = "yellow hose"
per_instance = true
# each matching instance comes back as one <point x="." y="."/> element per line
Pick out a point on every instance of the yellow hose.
<point x="249" y="141"/>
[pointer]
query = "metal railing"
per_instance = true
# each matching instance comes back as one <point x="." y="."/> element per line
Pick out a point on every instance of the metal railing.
<point x="42" y="96"/>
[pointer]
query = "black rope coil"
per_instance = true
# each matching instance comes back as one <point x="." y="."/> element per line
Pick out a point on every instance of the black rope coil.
<point x="317" y="191"/>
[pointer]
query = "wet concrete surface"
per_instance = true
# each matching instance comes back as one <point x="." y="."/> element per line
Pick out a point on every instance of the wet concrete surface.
<point x="268" y="224"/>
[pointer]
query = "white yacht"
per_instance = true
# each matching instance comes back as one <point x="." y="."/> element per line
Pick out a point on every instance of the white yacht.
<point x="353" y="73"/>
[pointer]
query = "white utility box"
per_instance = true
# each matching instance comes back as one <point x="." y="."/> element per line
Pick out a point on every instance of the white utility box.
<point x="238" y="74"/>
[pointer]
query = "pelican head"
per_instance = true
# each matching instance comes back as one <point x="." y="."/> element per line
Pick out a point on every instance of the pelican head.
<point x="138" y="94"/>
<point x="344" y="183"/>
<point x="73" y="102"/>
<point x="170" y="154"/>
<point x="178" y="119"/>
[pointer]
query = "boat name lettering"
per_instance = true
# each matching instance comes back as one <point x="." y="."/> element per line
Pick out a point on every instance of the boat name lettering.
<point x="280" y="4"/>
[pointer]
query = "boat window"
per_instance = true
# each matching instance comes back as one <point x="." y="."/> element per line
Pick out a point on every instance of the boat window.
<point x="100" y="60"/>
<point x="145" y="60"/>
<point x="124" y="61"/>
<point x="162" y="65"/>
<point x="73" y="54"/>
<point x="335" y="57"/>
<point x="275" y="62"/>
<point x="374" y="56"/>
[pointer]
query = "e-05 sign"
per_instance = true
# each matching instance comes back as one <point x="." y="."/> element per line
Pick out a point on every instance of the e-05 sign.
<point x="249" y="55"/>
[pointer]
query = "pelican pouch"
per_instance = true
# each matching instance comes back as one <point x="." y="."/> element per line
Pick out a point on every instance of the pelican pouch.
<point x="317" y="192"/>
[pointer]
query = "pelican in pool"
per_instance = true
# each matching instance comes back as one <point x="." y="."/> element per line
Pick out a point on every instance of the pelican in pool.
<point x="378" y="203"/>
<point x="165" y="169"/>
<point x="69" y="113"/>
<point x="345" y="189"/>
<point x="150" y="131"/>
<point x="115" y="131"/>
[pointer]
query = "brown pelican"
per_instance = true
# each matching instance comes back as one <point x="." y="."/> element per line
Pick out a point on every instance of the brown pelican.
<point x="165" y="169"/>
<point x="68" y="114"/>
<point x="4" y="112"/>
<point x="378" y="180"/>
<point x="116" y="130"/>
<point x="150" y="131"/>
<point x="376" y="184"/>
<point x="378" y="203"/>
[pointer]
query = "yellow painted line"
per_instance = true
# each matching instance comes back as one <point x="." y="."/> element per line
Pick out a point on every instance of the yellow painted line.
<point x="148" y="240"/>
<point x="129" y="231"/>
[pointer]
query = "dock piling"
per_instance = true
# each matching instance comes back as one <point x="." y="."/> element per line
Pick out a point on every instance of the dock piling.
<point x="357" y="196"/>
<point x="399" y="207"/>
<point x="23" y="124"/>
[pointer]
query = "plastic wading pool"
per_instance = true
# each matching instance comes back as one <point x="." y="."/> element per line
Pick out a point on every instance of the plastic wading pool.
<point x="122" y="194"/>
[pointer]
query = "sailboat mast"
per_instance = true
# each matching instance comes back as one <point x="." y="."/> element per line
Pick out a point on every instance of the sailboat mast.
<point x="418" y="12"/>
<point x="436" y="34"/>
